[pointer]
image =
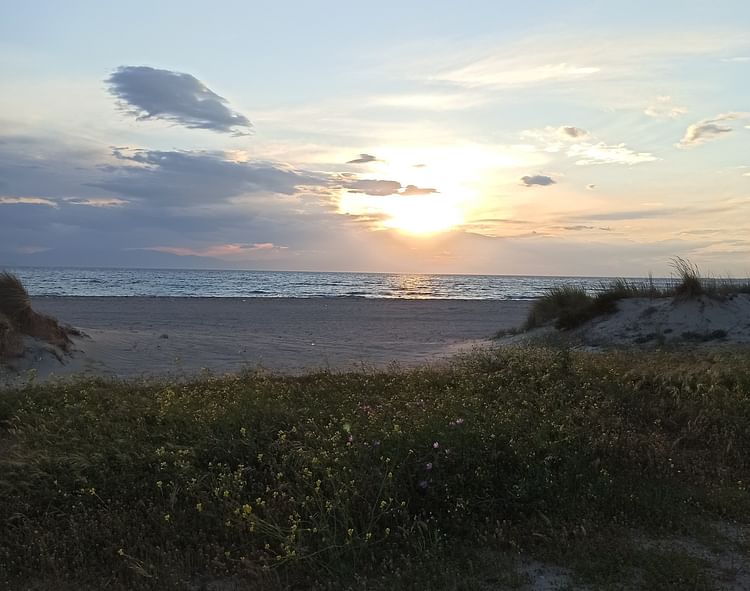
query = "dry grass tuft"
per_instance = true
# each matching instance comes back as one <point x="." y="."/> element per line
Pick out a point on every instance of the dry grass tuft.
<point x="14" y="299"/>
<point x="11" y="343"/>
<point x="690" y="285"/>
<point x="17" y="318"/>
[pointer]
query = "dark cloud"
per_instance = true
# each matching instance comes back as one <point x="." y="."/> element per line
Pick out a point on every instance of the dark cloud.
<point x="149" y="93"/>
<point x="381" y="188"/>
<point x="414" y="190"/>
<point x="363" y="159"/>
<point x="186" y="177"/>
<point x="708" y="129"/>
<point x="378" y="188"/>
<point x="573" y="132"/>
<point x="540" y="180"/>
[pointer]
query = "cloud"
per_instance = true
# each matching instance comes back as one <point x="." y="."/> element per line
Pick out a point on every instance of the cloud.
<point x="499" y="73"/>
<point x="591" y="186"/>
<point x="218" y="250"/>
<point x="27" y="201"/>
<point x="97" y="202"/>
<point x="709" y="129"/>
<point x="540" y="180"/>
<point x="149" y="93"/>
<point x="581" y="227"/>
<point x="414" y="190"/>
<point x="375" y="187"/>
<point x="363" y="159"/>
<point x="601" y="153"/>
<point x="662" y="108"/>
<point x="184" y="177"/>
<point x="572" y="132"/>
<point x="737" y="59"/>
<point x="433" y="101"/>
<point x="382" y="188"/>
<point x="555" y="139"/>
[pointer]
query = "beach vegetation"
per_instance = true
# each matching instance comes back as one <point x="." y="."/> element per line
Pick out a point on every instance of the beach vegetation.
<point x="571" y="306"/>
<point x="445" y="477"/>
<point x="18" y="318"/>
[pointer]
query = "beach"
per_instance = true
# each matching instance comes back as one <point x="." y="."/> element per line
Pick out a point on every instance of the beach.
<point x="131" y="337"/>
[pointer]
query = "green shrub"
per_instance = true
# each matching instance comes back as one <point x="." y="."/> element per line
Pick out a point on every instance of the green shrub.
<point x="302" y="482"/>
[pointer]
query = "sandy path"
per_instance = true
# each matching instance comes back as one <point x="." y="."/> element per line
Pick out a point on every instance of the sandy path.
<point x="148" y="336"/>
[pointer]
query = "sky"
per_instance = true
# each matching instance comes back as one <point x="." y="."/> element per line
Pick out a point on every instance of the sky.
<point x="489" y="137"/>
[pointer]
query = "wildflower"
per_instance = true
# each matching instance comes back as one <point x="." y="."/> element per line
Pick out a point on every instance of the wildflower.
<point x="199" y="507"/>
<point x="428" y="466"/>
<point x="243" y="431"/>
<point x="121" y="552"/>
<point x="435" y="445"/>
<point x="349" y="439"/>
<point x="247" y="509"/>
<point x="459" y="421"/>
<point x="387" y="531"/>
<point x="159" y="484"/>
<point x="349" y="532"/>
<point x="423" y="484"/>
<point x="167" y="517"/>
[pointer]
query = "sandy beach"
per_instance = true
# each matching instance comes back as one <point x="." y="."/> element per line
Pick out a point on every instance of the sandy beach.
<point x="133" y="336"/>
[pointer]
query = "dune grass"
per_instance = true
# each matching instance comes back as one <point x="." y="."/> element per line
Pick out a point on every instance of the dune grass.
<point x="570" y="306"/>
<point x="427" y="479"/>
<point x="18" y="318"/>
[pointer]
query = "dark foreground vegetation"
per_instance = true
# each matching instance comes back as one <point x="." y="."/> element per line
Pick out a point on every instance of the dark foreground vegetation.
<point x="428" y="479"/>
<point x="570" y="306"/>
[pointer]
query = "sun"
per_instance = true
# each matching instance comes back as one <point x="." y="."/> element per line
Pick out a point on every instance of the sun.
<point x="421" y="215"/>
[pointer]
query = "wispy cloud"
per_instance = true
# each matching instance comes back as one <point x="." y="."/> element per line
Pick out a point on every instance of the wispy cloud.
<point x="97" y="201"/>
<point x="148" y="93"/>
<point x="709" y="129"/>
<point x="431" y="101"/>
<point x="602" y="153"/>
<point x="537" y="180"/>
<point x="664" y="108"/>
<point x="553" y="59"/>
<point x="27" y="201"/>
<point x="555" y="139"/>
<point x="363" y="159"/>
<point x="497" y="72"/>
<point x="218" y="250"/>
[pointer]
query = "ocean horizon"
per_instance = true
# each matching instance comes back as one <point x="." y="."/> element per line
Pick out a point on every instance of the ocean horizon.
<point x="104" y="282"/>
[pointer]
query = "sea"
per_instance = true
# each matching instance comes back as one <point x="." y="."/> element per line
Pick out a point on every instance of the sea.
<point x="59" y="281"/>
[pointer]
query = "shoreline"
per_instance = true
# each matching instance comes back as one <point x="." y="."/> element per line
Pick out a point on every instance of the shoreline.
<point x="154" y="336"/>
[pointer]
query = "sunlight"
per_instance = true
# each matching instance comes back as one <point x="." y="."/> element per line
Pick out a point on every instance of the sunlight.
<point x="421" y="215"/>
<point x="452" y="181"/>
